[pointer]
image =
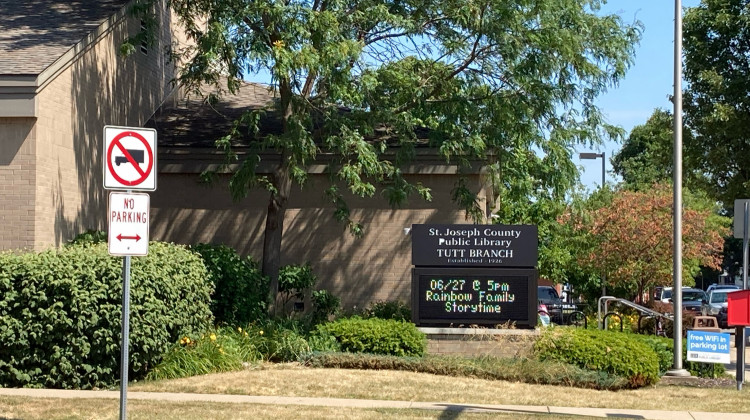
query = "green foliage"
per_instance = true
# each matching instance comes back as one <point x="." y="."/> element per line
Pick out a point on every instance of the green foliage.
<point x="222" y="350"/>
<point x="240" y="290"/>
<point x="616" y="353"/>
<point x="717" y="56"/>
<point x="491" y="368"/>
<point x="295" y="280"/>
<point x="509" y="85"/>
<point x="388" y="309"/>
<point x="89" y="237"/>
<point x="283" y="340"/>
<point x="60" y="313"/>
<point x="377" y="336"/>
<point x="325" y="305"/>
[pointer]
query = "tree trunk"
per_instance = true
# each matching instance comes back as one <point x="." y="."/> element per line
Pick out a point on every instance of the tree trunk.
<point x="277" y="206"/>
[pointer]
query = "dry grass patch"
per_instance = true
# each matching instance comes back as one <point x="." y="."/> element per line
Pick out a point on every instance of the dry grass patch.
<point x="75" y="409"/>
<point x="295" y="380"/>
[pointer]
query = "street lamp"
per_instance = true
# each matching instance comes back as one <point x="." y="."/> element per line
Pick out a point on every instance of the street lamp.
<point x="595" y="156"/>
<point x="589" y="155"/>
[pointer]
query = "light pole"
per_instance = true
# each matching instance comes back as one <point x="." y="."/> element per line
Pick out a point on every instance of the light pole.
<point x="589" y="155"/>
<point x="677" y="369"/>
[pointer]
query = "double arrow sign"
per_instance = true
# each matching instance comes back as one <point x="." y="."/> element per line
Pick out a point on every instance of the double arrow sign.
<point x="128" y="215"/>
<point x="135" y="238"/>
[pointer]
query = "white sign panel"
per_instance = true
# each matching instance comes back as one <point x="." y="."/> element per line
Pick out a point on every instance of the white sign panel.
<point x="129" y="158"/>
<point x="709" y="347"/>
<point x="127" y="216"/>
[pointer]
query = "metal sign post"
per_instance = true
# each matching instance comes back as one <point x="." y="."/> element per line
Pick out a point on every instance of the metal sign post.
<point x="124" y="365"/>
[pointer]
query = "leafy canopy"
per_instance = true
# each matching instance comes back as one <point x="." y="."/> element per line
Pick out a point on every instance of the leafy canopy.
<point x="633" y="237"/>
<point x="370" y="80"/>
<point x="717" y="100"/>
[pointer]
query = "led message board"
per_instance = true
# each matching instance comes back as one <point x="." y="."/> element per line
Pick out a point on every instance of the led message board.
<point x="474" y="245"/>
<point x="455" y="296"/>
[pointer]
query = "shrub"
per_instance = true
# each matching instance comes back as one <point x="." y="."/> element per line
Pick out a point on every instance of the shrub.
<point x="281" y="340"/>
<point x="60" y="313"/>
<point x="294" y="280"/>
<point x="377" y="336"/>
<point x="325" y="305"/>
<point x="221" y="350"/>
<point x="241" y="291"/>
<point x="492" y="368"/>
<point x="613" y="352"/>
<point x="390" y="309"/>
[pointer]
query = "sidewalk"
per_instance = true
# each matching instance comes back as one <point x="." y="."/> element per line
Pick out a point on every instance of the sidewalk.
<point x="354" y="403"/>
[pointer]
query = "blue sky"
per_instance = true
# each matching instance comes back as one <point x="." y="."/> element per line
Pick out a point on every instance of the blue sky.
<point x="648" y="83"/>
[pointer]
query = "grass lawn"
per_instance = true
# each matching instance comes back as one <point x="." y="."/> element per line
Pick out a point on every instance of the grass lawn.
<point x="69" y="409"/>
<point x="293" y="379"/>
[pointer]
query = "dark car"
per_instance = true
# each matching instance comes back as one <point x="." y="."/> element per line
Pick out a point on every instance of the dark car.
<point x="548" y="297"/>
<point x="692" y="300"/>
<point x="722" y="318"/>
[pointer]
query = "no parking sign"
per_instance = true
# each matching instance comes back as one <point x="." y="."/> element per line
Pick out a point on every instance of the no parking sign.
<point x="129" y="158"/>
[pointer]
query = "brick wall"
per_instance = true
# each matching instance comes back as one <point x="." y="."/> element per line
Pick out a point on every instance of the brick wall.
<point x="376" y="266"/>
<point x="17" y="179"/>
<point x="99" y="88"/>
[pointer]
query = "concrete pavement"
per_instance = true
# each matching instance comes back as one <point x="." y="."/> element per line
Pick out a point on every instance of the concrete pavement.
<point x="358" y="403"/>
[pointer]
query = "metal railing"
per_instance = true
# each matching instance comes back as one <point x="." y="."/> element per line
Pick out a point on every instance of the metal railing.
<point x="604" y="300"/>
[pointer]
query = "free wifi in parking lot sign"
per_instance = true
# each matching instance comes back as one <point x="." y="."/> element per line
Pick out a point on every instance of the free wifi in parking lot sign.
<point x="129" y="158"/>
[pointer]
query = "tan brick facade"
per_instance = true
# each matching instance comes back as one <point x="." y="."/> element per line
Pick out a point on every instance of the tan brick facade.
<point x="376" y="266"/>
<point x="17" y="180"/>
<point x="51" y="165"/>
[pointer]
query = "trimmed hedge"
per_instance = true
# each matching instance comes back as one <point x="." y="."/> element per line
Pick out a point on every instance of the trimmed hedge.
<point x="492" y="368"/>
<point x="241" y="291"/>
<point x="613" y="352"/>
<point x="376" y="336"/>
<point x="60" y="313"/>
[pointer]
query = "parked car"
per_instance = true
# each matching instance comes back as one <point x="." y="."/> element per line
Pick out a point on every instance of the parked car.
<point x="692" y="300"/>
<point x="722" y="286"/>
<point x="722" y="318"/>
<point x="548" y="297"/>
<point x="717" y="299"/>
<point x="663" y="294"/>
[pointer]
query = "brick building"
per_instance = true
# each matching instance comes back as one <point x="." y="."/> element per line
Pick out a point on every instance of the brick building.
<point x="62" y="81"/>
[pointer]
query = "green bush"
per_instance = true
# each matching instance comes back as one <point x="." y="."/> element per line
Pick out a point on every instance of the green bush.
<point x="325" y="305"/>
<point x="282" y="340"/>
<point x="613" y="352"/>
<point x="222" y="350"/>
<point x="294" y="280"/>
<point x="377" y="336"/>
<point x="389" y="309"/>
<point x="241" y="291"/>
<point x="60" y="313"/>
<point x="491" y="368"/>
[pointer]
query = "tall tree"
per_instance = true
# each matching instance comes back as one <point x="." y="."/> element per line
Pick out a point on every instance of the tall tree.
<point x="633" y="238"/>
<point x="717" y="99"/>
<point x="647" y="155"/>
<point x="508" y="83"/>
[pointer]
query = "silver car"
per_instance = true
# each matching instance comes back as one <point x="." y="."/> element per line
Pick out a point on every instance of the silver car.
<point x="717" y="299"/>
